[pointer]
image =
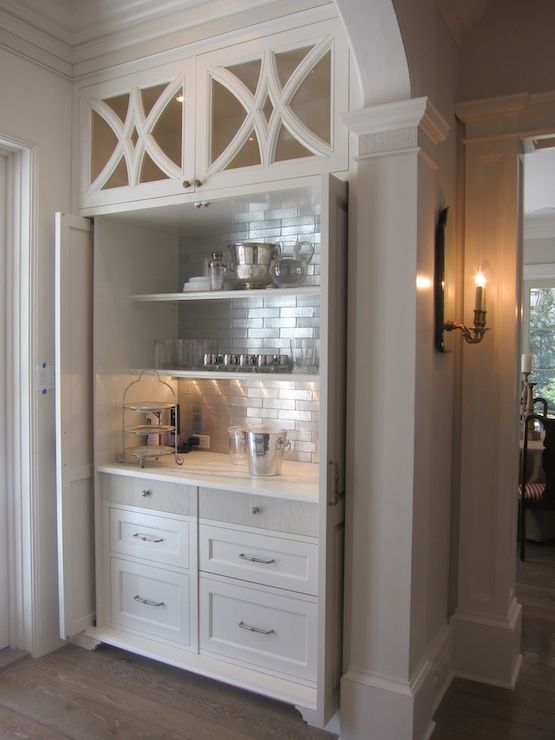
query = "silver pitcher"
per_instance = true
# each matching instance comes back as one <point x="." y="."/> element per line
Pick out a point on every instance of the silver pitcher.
<point x="251" y="263"/>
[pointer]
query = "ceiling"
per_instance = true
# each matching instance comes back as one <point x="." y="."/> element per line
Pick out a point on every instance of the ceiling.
<point x="78" y="21"/>
<point x="461" y="15"/>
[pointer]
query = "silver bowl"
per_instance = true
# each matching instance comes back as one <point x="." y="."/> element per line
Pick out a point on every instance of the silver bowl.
<point x="251" y="263"/>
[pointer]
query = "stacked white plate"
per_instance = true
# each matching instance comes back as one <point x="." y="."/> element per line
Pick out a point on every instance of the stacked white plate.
<point x="200" y="282"/>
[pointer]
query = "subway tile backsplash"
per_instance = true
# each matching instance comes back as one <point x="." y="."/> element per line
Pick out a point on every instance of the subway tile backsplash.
<point x="264" y="323"/>
<point x="211" y="406"/>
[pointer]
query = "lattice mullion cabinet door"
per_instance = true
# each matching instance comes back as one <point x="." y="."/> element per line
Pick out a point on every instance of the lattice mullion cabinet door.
<point x="136" y="137"/>
<point x="270" y="109"/>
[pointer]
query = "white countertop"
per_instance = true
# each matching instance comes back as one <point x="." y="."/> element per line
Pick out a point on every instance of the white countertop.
<point x="297" y="482"/>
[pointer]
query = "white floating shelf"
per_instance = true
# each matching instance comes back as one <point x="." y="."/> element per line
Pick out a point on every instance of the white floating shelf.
<point x="218" y="295"/>
<point x="232" y="375"/>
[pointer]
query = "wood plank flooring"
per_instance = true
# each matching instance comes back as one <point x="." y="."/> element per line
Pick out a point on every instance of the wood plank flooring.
<point x="473" y="711"/>
<point x="74" y="693"/>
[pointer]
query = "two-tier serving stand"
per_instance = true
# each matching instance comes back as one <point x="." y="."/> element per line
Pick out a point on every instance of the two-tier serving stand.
<point x="162" y="410"/>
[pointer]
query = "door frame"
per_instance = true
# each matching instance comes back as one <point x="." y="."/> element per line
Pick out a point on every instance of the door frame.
<point x="21" y="400"/>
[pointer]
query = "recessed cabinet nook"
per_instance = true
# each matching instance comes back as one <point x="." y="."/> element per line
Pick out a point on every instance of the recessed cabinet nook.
<point x="200" y="564"/>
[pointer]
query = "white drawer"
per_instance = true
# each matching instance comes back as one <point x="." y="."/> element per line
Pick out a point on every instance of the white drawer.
<point x="264" y="512"/>
<point x="151" y="600"/>
<point x="151" y="537"/>
<point x="174" y="498"/>
<point x="258" y="627"/>
<point x="260" y="558"/>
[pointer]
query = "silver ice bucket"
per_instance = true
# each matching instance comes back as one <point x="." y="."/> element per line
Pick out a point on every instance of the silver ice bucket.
<point x="251" y="263"/>
<point x="265" y="447"/>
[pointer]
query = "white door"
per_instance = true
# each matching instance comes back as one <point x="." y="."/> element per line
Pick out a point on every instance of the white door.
<point x="4" y="583"/>
<point x="74" y="432"/>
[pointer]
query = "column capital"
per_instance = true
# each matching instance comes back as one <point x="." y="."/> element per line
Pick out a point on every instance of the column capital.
<point x="395" y="127"/>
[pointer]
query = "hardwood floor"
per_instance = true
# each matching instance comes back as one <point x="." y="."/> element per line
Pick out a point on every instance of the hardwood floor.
<point x="74" y="693"/>
<point x="472" y="711"/>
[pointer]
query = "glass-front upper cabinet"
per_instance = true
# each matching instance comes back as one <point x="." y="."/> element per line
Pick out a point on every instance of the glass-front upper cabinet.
<point x="271" y="108"/>
<point x="246" y="113"/>
<point x="137" y="136"/>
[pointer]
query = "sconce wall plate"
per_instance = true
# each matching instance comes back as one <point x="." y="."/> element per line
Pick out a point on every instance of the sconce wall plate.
<point x="439" y="280"/>
<point x="473" y="334"/>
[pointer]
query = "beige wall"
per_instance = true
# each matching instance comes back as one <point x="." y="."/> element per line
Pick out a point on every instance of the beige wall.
<point x="36" y="107"/>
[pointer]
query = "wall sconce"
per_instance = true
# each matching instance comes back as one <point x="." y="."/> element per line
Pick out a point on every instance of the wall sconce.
<point x="473" y="334"/>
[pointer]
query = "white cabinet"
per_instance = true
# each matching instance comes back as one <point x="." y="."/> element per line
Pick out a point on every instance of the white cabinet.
<point x="258" y="590"/>
<point x="152" y="601"/>
<point x="284" y="562"/>
<point x="267" y="546"/>
<point x="155" y="538"/>
<point x="255" y="111"/>
<point x="259" y="627"/>
<point x="270" y="109"/>
<point x="136" y="136"/>
<point x="147" y="559"/>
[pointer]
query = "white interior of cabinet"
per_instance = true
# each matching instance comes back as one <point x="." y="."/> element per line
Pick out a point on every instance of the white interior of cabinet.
<point x="153" y="251"/>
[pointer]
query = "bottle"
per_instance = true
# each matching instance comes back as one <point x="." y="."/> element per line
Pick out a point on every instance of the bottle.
<point x="216" y="271"/>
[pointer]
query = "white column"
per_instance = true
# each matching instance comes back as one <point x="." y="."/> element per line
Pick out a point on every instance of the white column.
<point x="388" y="689"/>
<point x="486" y="624"/>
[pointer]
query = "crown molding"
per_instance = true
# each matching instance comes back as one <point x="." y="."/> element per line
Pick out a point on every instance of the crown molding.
<point x="77" y="37"/>
<point x="162" y="38"/>
<point x="33" y="35"/>
<point x="35" y="48"/>
<point x="501" y="107"/>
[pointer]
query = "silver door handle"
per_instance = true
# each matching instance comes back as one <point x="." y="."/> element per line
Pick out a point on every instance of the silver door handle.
<point x="148" y="602"/>
<point x="252" y="559"/>
<point x="260" y="631"/>
<point x="147" y="537"/>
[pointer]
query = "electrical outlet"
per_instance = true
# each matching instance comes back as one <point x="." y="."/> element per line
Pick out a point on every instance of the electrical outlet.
<point x="203" y="441"/>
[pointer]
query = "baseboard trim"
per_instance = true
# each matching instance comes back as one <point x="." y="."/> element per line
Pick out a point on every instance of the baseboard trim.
<point x="487" y="649"/>
<point x="384" y="707"/>
<point x="501" y="684"/>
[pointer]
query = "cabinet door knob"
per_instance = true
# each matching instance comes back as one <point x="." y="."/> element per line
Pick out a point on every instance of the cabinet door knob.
<point x="255" y="509"/>
<point x="146" y="492"/>
<point x="197" y="183"/>
<point x="187" y="183"/>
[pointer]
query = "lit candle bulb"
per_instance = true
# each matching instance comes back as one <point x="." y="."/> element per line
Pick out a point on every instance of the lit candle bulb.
<point x="480" y="302"/>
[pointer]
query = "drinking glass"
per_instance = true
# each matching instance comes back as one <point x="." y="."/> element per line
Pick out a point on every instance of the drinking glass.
<point x="305" y="355"/>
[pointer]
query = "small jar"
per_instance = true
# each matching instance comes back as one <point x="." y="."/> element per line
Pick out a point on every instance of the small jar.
<point x="216" y="271"/>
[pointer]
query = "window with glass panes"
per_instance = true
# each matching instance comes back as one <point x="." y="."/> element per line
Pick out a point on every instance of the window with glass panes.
<point x="539" y="336"/>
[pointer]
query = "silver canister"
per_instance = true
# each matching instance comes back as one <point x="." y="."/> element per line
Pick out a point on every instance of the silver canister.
<point x="265" y="447"/>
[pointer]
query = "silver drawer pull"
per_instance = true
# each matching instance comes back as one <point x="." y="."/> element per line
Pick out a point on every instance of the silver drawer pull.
<point x="148" y="602"/>
<point x="146" y="492"/>
<point x="147" y="537"/>
<point x="260" y="631"/>
<point x="252" y="559"/>
<point x="255" y="509"/>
